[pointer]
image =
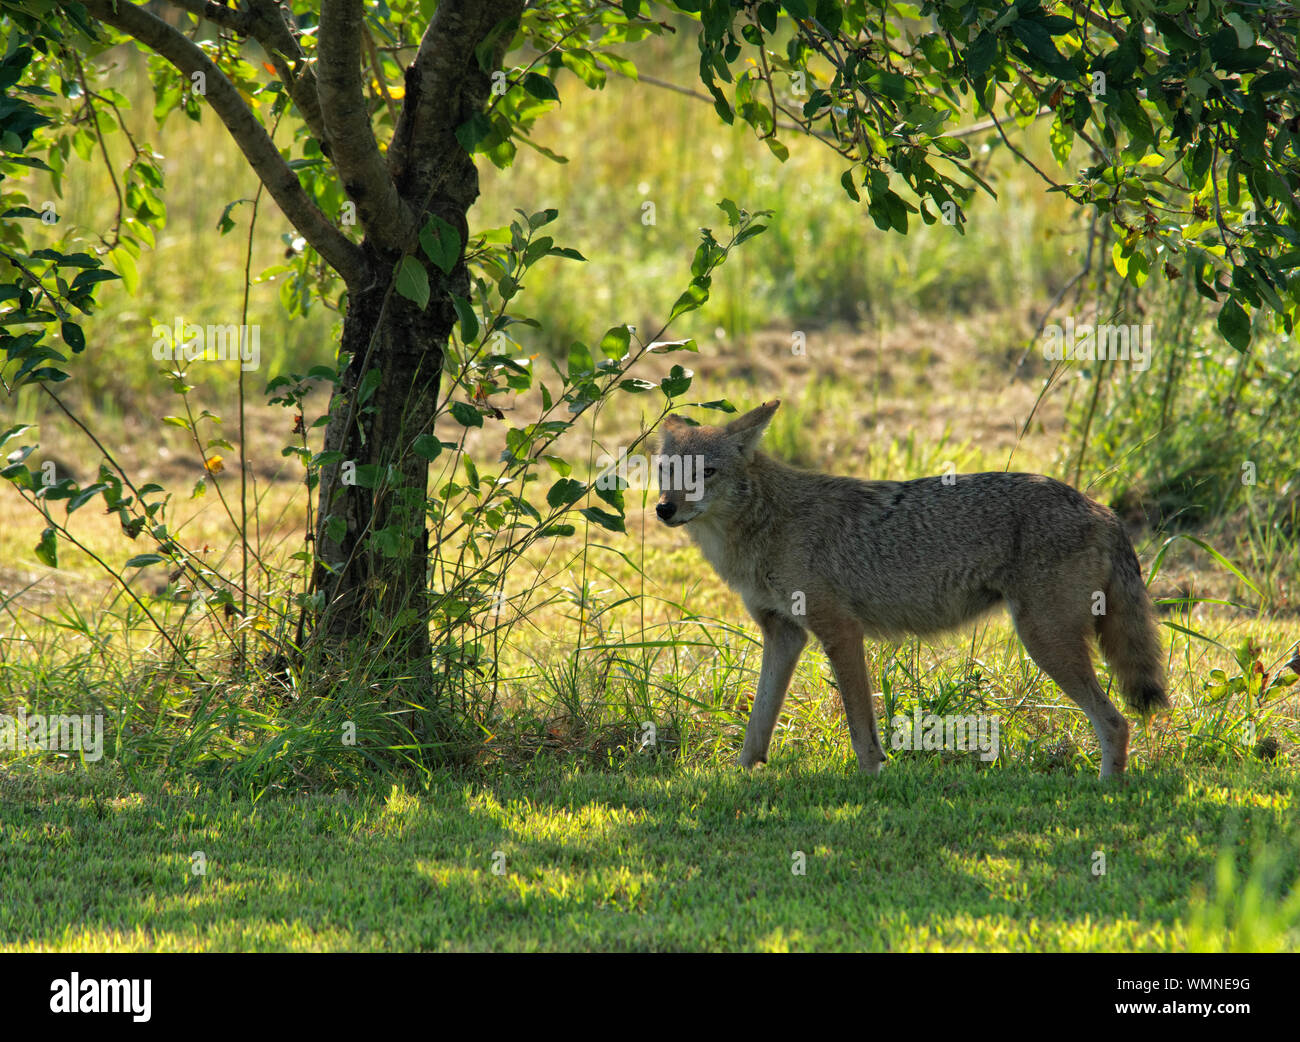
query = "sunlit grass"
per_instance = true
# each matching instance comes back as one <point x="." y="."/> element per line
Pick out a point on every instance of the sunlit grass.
<point x="803" y="855"/>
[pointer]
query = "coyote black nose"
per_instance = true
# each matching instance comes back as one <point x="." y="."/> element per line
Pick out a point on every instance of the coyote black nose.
<point x="665" y="511"/>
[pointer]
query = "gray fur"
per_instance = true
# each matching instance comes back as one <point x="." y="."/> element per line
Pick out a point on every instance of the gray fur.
<point x="844" y="558"/>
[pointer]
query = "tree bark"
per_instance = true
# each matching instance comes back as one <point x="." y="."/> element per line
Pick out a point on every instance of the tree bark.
<point x="374" y="589"/>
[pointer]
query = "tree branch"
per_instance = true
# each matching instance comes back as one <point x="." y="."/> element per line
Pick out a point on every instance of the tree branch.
<point x="265" y="22"/>
<point x="366" y="177"/>
<point x="445" y="86"/>
<point x="338" y="250"/>
<point x="240" y="22"/>
<point x="1083" y="8"/>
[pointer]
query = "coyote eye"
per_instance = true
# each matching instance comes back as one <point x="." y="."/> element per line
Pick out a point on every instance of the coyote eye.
<point x="710" y="471"/>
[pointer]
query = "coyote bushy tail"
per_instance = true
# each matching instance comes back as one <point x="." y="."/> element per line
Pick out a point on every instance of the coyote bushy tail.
<point x="1127" y="634"/>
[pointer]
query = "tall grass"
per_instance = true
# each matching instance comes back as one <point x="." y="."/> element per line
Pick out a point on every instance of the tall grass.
<point x="1202" y="439"/>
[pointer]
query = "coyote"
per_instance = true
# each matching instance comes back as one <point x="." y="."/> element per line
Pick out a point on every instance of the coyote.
<point x="844" y="559"/>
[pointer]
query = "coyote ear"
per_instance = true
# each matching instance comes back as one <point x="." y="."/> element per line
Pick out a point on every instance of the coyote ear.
<point x="746" y="430"/>
<point x="672" y="427"/>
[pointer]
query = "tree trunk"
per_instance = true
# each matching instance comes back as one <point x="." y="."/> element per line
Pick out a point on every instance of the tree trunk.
<point x="370" y="526"/>
<point x="371" y="540"/>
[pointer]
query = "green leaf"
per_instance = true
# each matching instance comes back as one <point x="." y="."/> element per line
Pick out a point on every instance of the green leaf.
<point x="1245" y="37"/>
<point x="468" y="319"/>
<point x="371" y="475"/>
<point x="608" y="521"/>
<point x="369" y="384"/>
<point x="1135" y="119"/>
<point x="537" y="249"/>
<point x="1121" y="255"/>
<point x="413" y="281"/>
<point x="122" y="260"/>
<point x="427" y="447"/>
<point x="664" y="347"/>
<point x="144" y="560"/>
<point x="19" y="475"/>
<point x="73" y="336"/>
<point x="678" y="381"/>
<point x="980" y="55"/>
<point x="1038" y="42"/>
<point x="1234" y="324"/>
<point x="696" y="294"/>
<point x="224" y="222"/>
<point x="473" y="130"/>
<point x="1138" y="268"/>
<point x="619" y="64"/>
<point x="582" y="64"/>
<point x="541" y="218"/>
<point x="47" y="550"/>
<point x="540" y="87"/>
<point x="580" y="361"/>
<point x="615" y="342"/>
<point x="613" y="496"/>
<point x="441" y="243"/>
<point x="14" y="432"/>
<point x="466" y="415"/>
<point x="327" y="459"/>
<point x="1062" y="139"/>
<point x="953" y="147"/>
<point x="389" y="541"/>
<point x="565" y="492"/>
<point x="85" y="496"/>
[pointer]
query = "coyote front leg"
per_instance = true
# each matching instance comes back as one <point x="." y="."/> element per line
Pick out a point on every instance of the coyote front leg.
<point x="782" y="643"/>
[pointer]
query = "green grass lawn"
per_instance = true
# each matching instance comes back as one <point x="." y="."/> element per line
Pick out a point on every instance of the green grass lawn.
<point x="931" y="856"/>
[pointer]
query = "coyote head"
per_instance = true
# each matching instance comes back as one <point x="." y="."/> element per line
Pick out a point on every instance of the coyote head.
<point x="701" y="469"/>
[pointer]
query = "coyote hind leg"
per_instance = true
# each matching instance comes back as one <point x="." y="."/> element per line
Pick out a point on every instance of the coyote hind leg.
<point x="1064" y="654"/>
<point x="843" y="643"/>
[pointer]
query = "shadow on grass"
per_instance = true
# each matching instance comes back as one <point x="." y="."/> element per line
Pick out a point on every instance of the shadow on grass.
<point x="797" y="856"/>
